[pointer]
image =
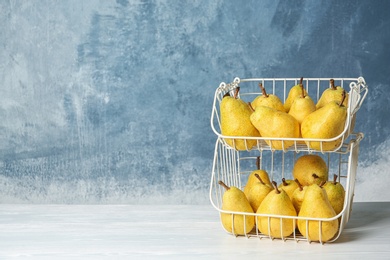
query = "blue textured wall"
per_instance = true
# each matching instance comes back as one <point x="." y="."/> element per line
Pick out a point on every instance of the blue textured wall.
<point x="110" y="101"/>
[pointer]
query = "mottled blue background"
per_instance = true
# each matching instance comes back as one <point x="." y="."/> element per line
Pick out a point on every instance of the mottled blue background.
<point x="110" y="101"/>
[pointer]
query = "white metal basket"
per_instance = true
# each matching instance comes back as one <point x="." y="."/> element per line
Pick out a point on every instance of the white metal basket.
<point x="280" y="86"/>
<point x="233" y="166"/>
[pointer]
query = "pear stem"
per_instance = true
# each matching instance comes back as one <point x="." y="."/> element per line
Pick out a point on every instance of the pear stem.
<point x="258" y="177"/>
<point x="343" y="96"/>
<point x="250" y="106"/>
<point x="332" y="86"/>
<point x="301" y="81"/>
<point x="303" y="91"/>
<point x="322" y="183"/>
<point x="226" y="95"/>
<point x="276" y="187"/>
<point x="315" y="176"/>
<point x="299" y="185"/>
<point x="335" y="179"/>
<point x="263" y="90"/>
<point x="258" y="162"/>
<point x="224" y="185"/>
<point x="284" y="182"/>
<point x="236" y="92"/>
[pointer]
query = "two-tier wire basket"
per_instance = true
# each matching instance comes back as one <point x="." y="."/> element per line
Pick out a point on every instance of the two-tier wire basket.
<point x="232" y="166"/>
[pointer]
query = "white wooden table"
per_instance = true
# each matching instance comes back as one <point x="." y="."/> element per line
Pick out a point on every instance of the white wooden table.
<point x="171" y="232"/>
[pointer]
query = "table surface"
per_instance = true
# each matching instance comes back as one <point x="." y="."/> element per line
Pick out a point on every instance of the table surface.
<point x="171" y="232"/>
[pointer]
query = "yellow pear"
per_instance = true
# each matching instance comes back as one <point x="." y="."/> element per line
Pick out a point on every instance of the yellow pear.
<point x="268" y="100"/>
<point x="336" y="194"/>
<point x="316" y="205"/>
<point x="235" y="121"/>
<point x="277" y="202"/>
<point x="252" y="179"/>
<point x="298" y="195"/>
<point x="325" y="123"/>
<point x="258" y="192"/>
<point x="294" y="92"/>
<point x="309" y="169"/>
<point x="275" y="124"/>
<point x="302" y="106"/>
<point x="332" y="93"/>
<point x="235" y="200"/>
<point x="289" y="186"/>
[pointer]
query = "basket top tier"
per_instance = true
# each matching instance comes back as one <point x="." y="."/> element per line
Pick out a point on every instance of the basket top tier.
<point x="249" y="89"/>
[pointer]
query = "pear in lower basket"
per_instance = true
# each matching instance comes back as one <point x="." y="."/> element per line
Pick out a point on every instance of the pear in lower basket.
<point x="289" y="186"/>
<point x="235" y="200"/>
<point x="235" y="121"/>
<point x="336" y="194"/>
<point x="298" y="195"/>
<point x="277" y="202"/>
<point x="309" y="169"/>
<point x="258" y="192"/>
<point x="252" y="179"/>
<point x="316" y="205"/>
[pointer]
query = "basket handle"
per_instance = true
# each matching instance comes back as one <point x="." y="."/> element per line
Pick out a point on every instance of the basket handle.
<point x="361" y="89"/>
<point x="227" y="87"/>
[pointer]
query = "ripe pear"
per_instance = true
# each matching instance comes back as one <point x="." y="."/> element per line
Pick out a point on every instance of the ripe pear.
<point x="268" y="100"/>
<point x="294" y="92"/>
<point x="258" y="192"/>
<point x="309" y="169"/>
<point x="275" y="124"/>
<point x="277" y="202"/>
<point x="325" y="123"/>
<point x="336" y="194"/>
<point x="289" y="186"/>
<point x="235" y="200"/>
<point x="298" y="195"/>
<point x="316" y="205"/>
<point x="235" y="121"/>
<point x="302" y="106"/>
<point x="252" y="179"/>
<point x="332" y="93"/>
